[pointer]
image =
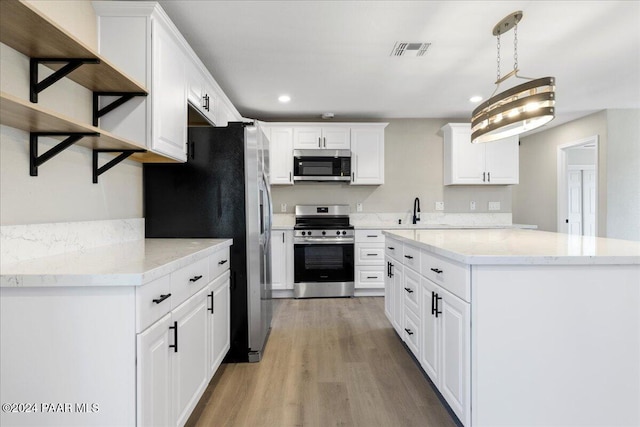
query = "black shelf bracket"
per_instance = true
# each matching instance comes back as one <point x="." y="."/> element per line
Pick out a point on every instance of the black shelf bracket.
<point x="123" y="97"/>
<point x="97" y="171"/>
<point x="35" y="160"/>
<point x="36" y="87"/>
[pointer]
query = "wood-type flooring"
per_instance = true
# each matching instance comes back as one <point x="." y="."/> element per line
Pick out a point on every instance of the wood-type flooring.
<point x="328" y="362"/>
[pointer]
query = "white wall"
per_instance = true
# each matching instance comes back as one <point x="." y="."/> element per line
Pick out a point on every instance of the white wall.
<point x="413" y="168"/>
<point x="63" y="191"/>
<point x="623" y="174"/>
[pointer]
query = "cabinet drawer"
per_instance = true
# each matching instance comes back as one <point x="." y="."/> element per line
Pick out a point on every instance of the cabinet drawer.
<point x="219" y="263"/>
<point x="411" y="332"/>
<point x="411" y="290"/>
<point x="411" y="257"/>
<point x="153" y="300"/>
<point x="369" y="277"/>
<point x="394" y="249"/>
<point x="369" y="254"/>
<point x="369" y="236"/>
<point x="188" y="280"/>
<point x="452" y="276"/>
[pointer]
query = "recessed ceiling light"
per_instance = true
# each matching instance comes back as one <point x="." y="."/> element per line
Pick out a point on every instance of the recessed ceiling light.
<point x="284" y="98"/>
<point x="476" y="98"/>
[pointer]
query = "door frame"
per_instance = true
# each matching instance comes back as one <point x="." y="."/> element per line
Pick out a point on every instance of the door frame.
<point x="561" y="203"/>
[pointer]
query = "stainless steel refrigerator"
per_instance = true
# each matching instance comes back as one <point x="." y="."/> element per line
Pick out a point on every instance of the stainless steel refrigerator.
<point x="222" y="191"/>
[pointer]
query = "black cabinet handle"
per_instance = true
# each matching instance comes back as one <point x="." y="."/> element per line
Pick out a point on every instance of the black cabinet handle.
<point x="435" y="270"/>
<point x="488" y="176"/>
<point x="437" y="304"/>
<point x="372" y="277"/>
<point x="174" y="346"/>
<point x="372" y="235"/>
<point x="409" y="290"/>
<point x="195" y="278"/>
<point x="408" y="256"/>
<point x="433" y="303"/>
<point x="391" y="270"/>
<point x="409" y="331"/>
<point x="212" y="301"/>
<point x="388" y="269"/>
<point x="162" y="298"/>
<point x="224" y="261"/>
<point x="391" y="248"/>
<point x="484" y="175"/>
<point x="372" y="254"/>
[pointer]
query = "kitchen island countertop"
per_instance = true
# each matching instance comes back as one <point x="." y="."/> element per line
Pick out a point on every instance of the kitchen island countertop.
<point x="131" y="263"/>
<point x="519" y="246"/>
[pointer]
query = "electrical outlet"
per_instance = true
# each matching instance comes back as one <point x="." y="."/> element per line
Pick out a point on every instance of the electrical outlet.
<point x="472" y="206"/>
<point x="283" y="207"/>
<point x="439" y="206"/>
<point x="359" y="207"/>
<point x="494" y="206"/>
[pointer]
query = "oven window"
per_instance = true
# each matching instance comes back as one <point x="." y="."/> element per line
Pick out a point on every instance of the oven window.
<point x="323" y="263"/>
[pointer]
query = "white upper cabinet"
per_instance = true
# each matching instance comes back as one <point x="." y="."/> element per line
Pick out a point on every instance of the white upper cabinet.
<point x="316" y="137"/>
<point x="140" y="39"/>
<point x="367" y="154"/>
<point x="478" y="164"/>
<point x="281" y="155"/>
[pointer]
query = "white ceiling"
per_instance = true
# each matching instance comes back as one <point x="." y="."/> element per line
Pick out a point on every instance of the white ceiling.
<point x="334" y="56"/>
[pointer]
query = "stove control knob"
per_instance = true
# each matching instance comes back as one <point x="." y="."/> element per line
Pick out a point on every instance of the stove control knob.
<point x="324" y="232"/>
<point x="303" y="233"/>
<point x="309" y="233"/>
<point x="344" y="232"/>
<point x="338" y="233"/>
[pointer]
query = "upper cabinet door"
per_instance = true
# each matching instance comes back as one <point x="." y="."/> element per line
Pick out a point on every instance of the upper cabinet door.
<point x="502" y="161"/>
<point x="168" y="92"/>
<point x="367" y="155"/>
<point x="308" y="137"/>
<point x="281" y="155"/>
<point x="336" y="138"/>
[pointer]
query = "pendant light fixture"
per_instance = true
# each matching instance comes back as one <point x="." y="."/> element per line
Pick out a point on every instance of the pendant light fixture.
<point x="516" y="110"/>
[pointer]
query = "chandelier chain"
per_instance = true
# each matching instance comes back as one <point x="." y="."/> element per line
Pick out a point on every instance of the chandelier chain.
<point x="498" y="60"/>
<point x="515" y="47"/>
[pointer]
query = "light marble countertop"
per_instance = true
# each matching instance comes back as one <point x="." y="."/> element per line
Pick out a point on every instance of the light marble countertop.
<point x="520" y="247"/>
<point x="132" y="263"/>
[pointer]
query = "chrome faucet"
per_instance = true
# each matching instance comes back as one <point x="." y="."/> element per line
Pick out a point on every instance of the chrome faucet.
<point x="416" y="210"/>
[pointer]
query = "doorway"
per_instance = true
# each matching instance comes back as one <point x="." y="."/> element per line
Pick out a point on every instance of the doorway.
<point x="578" y="187"/>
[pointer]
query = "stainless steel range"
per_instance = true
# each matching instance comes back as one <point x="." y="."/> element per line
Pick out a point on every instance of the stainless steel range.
<point x="323" y="248"/>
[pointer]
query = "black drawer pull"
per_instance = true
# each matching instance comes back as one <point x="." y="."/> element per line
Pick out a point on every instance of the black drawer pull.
<point x="212" y="302"/>
<point x="408" y="256"/>
<point x="391" y="248"/>
<point x="372" y="235"/>
<point x="409" y="290"/>
<point x="174" y="346"/>
<point x="224" y="261"/>
<point x="435" y="270"/>
<point x="195" y="278"/>
<point x="162" y="298"/>
<point x="409" y="331"/>
<point x="372" y="254"/>
<point x="372" y="277"/>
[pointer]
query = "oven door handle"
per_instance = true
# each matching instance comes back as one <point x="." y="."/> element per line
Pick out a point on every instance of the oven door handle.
<point x="322" y="241"/>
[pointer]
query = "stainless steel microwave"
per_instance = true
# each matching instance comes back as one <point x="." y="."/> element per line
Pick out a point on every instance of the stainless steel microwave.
<point x="322" y="165"/>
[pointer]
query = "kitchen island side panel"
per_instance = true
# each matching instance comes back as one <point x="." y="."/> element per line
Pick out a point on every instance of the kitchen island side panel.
<point x="555" y="345"/>
<point x="70" y="352"/>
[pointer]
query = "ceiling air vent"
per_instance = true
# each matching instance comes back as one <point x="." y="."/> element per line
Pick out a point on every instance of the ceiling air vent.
<point x="410" y="49"/>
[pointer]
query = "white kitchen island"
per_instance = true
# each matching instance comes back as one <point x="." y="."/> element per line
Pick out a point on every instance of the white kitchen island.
<point x="521" y="327"/>
<point x="119" y="335"/>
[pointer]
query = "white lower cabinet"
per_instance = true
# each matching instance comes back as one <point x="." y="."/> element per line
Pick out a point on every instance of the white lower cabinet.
<point x="179" y="354"/>
<point x="369" y="262"/>
<point x="282" y="260"/>
<point x="446" y="355"/>
<point x="154" y="374"/>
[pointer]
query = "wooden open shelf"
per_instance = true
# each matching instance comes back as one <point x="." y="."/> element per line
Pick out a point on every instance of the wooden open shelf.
<point x="21" y="114"/>
<point x="26" y="30"/>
